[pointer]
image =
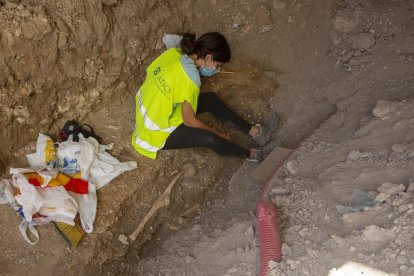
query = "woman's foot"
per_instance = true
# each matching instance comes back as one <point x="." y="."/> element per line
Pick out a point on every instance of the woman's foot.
<point x="263" y="132"/>
<point x="255" y="156"/>
<point x="259" y="154"/>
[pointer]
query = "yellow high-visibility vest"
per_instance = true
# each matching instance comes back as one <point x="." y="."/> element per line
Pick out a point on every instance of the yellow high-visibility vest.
<point x="159" y="102"/>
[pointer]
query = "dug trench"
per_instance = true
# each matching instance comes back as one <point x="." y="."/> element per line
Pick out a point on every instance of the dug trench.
<point x="125" y="201"/>
<point x="141" y="188"/>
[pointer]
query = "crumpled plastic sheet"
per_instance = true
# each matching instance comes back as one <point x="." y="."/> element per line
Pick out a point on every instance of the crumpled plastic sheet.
<point x="359" y="200"/>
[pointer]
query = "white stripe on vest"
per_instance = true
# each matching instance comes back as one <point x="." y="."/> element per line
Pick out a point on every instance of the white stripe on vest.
<point x="144" y="145"/>
<point x="147" y="121"/>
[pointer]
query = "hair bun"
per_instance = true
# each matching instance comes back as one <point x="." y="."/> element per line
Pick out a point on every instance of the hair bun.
<point x="188" y="43"/>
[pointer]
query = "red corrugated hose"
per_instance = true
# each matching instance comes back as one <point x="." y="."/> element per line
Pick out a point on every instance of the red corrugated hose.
<point x="270" y="244"/>
<point x="268" y="232"/>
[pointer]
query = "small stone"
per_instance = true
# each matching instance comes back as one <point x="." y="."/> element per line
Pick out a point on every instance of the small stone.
<point x="357" y="53"/>
<point x="10" y="5"/>
<point x="400" y="148"/>
<point x="278" y="5"/>
<point x="347" y="20"/>
<point x="292" y="166"/>
<point x="410" y="188"/>
<point x="403" y="268"/>
<point x="310" y="252"/>
<point x="352" y="248"/>
<point x="385" y="109"/>
<point x="356" y="154"/>
<point x="263" y="20"/>
<point x="110" y="3"/>
<point x="382" y="197"/>
<point x="123" y="239"/>
<point x="390" y="188"/>
<point x="363" y="41"/>
<point x="374" y="233"/>
<point x="303" y="232"/>
<point x="291" y="263"/>
<point x="357" y="61"/>
<point x="403" y="208"/>
<point x="25" y="13"/>
<point x="272" y="264"/>
<point x="196" y="228"/>
<point x="351" y="217"/>
<point x="189" y="258"/>
<point x="398" y="242"/>
<point x="337" y="64"/>
<point x="239" y="249"/>
<point x="286" y="250"/>
<point x="402" y="259"/>
<point x="403" y="252"/>
<point x="280" y="191"/>
<point x="346" y="57"/>
<point x="232" y="270"/>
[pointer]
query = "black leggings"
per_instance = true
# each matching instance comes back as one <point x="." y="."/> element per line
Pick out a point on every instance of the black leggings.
<point x="190" y="137"/>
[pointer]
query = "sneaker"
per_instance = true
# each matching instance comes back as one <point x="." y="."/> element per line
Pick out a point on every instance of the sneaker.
<point x="261" y="153"/>
<point x="266" y="130"/>
<point x="268" y="148"/>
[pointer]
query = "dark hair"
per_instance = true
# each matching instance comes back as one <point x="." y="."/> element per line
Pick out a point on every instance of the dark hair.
<point x="209" y="43"/>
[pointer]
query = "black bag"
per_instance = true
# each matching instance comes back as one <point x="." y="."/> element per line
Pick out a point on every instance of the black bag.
<point x="72" y="127"/>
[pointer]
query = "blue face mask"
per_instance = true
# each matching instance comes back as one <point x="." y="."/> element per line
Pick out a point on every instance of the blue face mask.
<point x="208" y="72"/>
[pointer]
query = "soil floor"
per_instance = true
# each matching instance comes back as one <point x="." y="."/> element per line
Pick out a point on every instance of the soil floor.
<point x="341" y="74"/>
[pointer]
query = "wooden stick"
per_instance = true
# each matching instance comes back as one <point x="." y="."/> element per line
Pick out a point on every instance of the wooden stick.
<point x="162" y="201"/>
<point x="226" y="72"/>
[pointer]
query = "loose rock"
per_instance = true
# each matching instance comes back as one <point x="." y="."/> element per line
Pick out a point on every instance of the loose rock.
<point x="347" y="20"/>
<point x="280" y="191"/>
<point x="363" y="41"/>
<point x="278" y="5"/>
<point x="374" y="233"/>
<point x="384" y="110"/>
<point x="292" y="166"/>
<point x="263" y="20"/>
<point x="390" y="188"/>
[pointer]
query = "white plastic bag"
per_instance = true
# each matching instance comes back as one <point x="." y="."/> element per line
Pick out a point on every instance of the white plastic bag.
<point x="29" y="198"/>
<point x="75" y="158"/>
<point x="172" y="40"/>
<point x="6" y="196"/>
<point x="24" y="226"/>
<point x="87" y="205"/>
<point x="45" y="172"/>
<point x="53" y="202"/>
<point x="90" y="160"/>
<point x="105" y="167"/>
<point x="6" y="192"/>
<point x="45" y="154"/>
<point x="58" y="205"/>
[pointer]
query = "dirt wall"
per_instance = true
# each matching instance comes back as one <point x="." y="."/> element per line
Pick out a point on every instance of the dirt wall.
<point x="63" y="59"/>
